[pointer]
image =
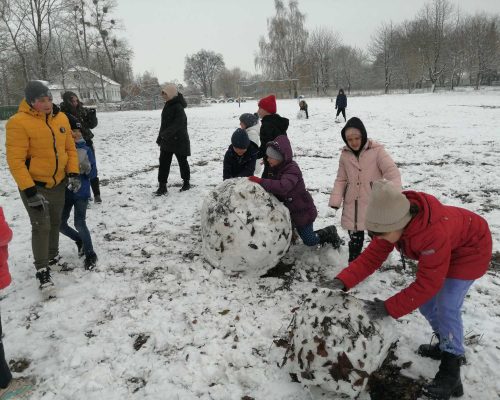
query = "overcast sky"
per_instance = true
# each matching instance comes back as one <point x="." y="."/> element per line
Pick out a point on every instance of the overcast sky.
<point x="162" y="32"/>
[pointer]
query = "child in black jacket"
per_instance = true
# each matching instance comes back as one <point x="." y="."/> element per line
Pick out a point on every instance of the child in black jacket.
<point x="240" y="157"/>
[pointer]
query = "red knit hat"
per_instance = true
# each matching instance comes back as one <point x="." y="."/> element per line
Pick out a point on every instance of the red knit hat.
<point x="268" y="103"/>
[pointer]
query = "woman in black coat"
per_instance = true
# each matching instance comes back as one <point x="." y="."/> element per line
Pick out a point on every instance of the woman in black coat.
<point x="173" y="138"/>
<point x="341" y="104"/>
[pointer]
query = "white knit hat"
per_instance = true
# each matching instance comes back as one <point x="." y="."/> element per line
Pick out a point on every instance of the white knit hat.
<point x="388" y="209"/>
<point x="170" y="89"/>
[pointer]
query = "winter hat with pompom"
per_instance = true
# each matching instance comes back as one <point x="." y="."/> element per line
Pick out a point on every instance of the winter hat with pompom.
<point x="388" y="209"/>
<point x="170" y="90"/>
<point x="240" y="139"/>
<point x="249" y="119"/>
<point x="35" y="90"/>
<point x="268" y="103"/>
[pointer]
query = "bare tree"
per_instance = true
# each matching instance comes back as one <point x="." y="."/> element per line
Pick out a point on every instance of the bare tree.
<point x="281" y="55"/>
<point x="349" y="66"/>
<point x="320" y="48"/>
<point x="383" y="49"/>
<point x="433" y="26"/>
<point x="202" y="68"/>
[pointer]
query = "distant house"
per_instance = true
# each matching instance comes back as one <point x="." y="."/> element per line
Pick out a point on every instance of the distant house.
<point x="90" y="86"/>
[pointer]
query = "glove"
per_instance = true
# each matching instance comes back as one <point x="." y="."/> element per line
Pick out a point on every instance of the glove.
<point x="336" y="284"/>
<point x="38" y="202"/>
<point x="74" y="182"/>
<point x="375" y="309"/>
<point x="158" y="140"/>
<point x="255" y="179"/>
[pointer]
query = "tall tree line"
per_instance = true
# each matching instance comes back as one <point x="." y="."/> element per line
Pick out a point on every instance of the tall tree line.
<point x="42" y="39"/>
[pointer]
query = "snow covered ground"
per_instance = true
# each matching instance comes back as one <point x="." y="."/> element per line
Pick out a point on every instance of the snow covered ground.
<point x="155" y="321"/>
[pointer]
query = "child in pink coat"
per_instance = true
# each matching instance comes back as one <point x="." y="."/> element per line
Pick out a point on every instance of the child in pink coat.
<point x="362" y="161"/>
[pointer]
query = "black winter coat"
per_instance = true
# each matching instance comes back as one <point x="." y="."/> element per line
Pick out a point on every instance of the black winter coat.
<point x="238" y="167"/>
<point x="341" y="101"/>
<point x="272" y="126"/>
<point x="173" y="136"/>
<point x="86" y="116"/>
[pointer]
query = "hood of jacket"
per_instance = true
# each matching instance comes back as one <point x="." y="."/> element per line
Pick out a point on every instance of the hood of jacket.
<point x="430" y="211"/>
<point x="177" y="99"/>
<point x="279" y="122"/>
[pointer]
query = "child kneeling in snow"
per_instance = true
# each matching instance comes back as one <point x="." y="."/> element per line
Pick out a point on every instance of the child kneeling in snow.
<point x="80" y="199"/>
<point x="287" y="184"/>
<point x="240" y="157"/>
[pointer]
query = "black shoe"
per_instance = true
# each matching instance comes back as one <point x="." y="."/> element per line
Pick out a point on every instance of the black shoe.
<point x="97" y="199"/>
<point x="43" y="275"/>
<point x="433" y="350"/>
<point x="79" y="244"/>
<point x="447" y="381"/>
<point x="90" y="262"/>
<point x="185" y="186"/>
<point x="162" y="189"/>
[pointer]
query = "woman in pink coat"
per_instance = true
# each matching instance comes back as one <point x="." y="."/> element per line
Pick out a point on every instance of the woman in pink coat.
<point x="362" y="161"/>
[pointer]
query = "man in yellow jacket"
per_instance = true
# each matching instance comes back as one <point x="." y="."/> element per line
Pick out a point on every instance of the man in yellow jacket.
<point x="42" y="158"/>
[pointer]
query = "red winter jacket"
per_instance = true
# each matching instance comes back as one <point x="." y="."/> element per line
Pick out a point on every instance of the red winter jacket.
<point x="448" y="242"/>
<point x="5" y="238"/>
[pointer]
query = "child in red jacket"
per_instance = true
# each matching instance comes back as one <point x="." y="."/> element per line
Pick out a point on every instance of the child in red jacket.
<point x="453" y="247"/>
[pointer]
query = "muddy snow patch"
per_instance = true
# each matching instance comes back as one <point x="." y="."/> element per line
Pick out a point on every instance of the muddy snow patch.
<point x="333" y="347"/>
<point x="244" y="228"/>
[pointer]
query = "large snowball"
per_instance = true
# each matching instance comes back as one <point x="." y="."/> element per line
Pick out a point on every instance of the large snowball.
<point x="244" y="228"/>
<point x="333" y="346"/>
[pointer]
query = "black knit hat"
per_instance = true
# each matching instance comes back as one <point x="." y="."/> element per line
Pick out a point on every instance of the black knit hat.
<point x="249" y="119"/>
<point x="240" y="139"/>
<point x="36" y="89"/>
<point x="73" y="122"/>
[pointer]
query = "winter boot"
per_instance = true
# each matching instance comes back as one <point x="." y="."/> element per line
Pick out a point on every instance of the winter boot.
<point x="162" y="189"/>
<point x="55" y="260"/>
<point x="330" y="235"/>
<point x="185" y="186"/>
<point x="19" y="388"/>
<point x="43" y="275"/>
<point x="97" y="199"/>
<point x="433" y="350"/>
<point x="79" y="245"/>
<point x="90" y="262"/>
<point x="447" y="381"/>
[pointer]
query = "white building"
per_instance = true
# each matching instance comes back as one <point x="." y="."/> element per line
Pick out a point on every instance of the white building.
<point x="90" y="86"/>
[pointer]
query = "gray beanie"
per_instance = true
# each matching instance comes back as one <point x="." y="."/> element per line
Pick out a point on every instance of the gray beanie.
<point x="36" y="89"/>
<point x="249" y="119"/>
<point x="273" y="153"/>
<point x="388" y="209"/>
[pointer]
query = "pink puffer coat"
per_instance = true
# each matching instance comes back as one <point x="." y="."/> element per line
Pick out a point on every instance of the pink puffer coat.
<point x="355" y="177"/>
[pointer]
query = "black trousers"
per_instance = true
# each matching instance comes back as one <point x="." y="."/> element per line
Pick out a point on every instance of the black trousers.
<point x="166" y="160"/>
<point x="5" y="375"/>
<point x="356" y="239"/>
<point x="94" y="183"/>
<point x="341" y="110"/>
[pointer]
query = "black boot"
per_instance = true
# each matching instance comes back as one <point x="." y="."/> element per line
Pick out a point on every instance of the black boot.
<point x="330" y="235"/>
<point x="431" y="350"/>
<point x="185" y="186"/>
<point x="162" y="189"/>
<point x="447" y="381"/>
<point x="356" y="239"/>
<point x="434" y="351"/>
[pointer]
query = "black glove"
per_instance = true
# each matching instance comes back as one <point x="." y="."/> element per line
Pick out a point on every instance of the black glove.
<point x="38" y="202"/>
<point x="74" y="182"/>
<point x="336" y="284"/>
<point x="376" y="309"/>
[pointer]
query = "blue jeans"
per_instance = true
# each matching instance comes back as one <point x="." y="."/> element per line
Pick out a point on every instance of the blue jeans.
<point x="307" y="234"/>
<point x="82" y="232"/>
<point x="443" y="314"/>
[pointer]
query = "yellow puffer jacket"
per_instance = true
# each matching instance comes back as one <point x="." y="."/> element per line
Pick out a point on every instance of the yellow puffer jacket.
<point x="40" y="147"/>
